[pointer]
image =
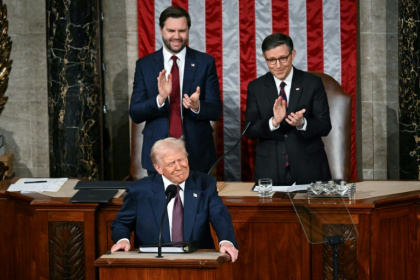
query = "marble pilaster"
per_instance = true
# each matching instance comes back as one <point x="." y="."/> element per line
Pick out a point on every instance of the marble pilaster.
<point x="409" y="88"/>
<point x="74" y="88"/>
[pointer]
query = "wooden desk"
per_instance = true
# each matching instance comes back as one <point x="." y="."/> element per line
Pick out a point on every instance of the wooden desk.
<point x="203" y="264"/>
<point x="46" y="237"/>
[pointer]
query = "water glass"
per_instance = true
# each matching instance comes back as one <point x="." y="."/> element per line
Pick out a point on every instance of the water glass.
<point x="265" y="187"/>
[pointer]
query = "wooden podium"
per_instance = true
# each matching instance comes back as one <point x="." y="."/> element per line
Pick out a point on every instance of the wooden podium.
<point x="202" y="264"/>
<point x="48" y="237"/>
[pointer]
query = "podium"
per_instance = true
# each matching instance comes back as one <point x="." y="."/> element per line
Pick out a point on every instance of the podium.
<point x="202" y="264"/>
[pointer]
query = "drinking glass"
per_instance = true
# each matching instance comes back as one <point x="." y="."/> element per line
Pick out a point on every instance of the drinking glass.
<point x="265" y="187"/>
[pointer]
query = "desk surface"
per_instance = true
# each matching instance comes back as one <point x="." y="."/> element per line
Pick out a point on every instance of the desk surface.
<point x="364" y="189"/>
<point x="198" y="255"/>
<point x="386" y="213"/>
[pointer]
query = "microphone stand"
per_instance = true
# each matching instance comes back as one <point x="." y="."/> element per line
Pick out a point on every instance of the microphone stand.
<point x="234" y="146"/>
<point x="170" y="193"/>
<point x="160" y="234"/>
<point x="334" y="241"/>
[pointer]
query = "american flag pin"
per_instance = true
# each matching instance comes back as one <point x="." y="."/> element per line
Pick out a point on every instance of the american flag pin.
<point x="195" y="195"/>
<point x="192" y="65"/>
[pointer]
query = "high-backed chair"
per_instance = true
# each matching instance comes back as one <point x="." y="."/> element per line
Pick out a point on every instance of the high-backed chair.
<point x="136" y="171"/>
<point x="338" y="142"/>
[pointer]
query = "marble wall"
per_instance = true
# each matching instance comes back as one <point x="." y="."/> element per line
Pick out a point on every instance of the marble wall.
<point x="74" y="88"/>
<point x="24" y="122"/>
<point x="120" y="55"/>
<point x="377" y="118"/>
<point x="409" y="88"/>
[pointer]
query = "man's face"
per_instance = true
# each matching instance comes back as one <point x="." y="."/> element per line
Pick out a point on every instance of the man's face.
<point x="280" y="69"/>
<point x="175" y="34"/>
<point x="174" y="166"/>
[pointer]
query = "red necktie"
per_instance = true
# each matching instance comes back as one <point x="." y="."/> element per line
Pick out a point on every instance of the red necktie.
<point x="283" y="95"/>
<point x="175" y="123"/>
<point x="178" y="219"/>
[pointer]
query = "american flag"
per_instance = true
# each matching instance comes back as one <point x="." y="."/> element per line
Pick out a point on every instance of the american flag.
<point x="323" y="33"/>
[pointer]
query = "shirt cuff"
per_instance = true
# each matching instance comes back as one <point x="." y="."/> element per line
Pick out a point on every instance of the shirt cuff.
<point x="195" y="111"/>
<point x="302" y="127"/>
<point x="272" y="127"/>
<point x="220" y="243"/>
<point x="157" y="102"/>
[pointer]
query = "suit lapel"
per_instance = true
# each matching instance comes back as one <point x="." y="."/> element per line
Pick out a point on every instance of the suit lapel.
<point x="191" y="198"/>
<point x="295" y="90"/>
<point x="271" y="90"/>
<point x="189" y="72"/>
<point x="158" y="202"/>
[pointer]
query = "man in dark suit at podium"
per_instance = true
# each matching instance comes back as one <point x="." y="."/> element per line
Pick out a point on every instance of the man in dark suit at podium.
<point x="288" y="111"/>
<point x="144" y="205"/>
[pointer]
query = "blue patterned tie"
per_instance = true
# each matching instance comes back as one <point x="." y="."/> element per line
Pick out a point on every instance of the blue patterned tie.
<point x="283" y="95"/>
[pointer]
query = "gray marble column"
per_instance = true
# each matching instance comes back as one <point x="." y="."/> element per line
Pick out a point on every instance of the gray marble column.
<point x="409" y="88"/>
<point x="74" y="88"/>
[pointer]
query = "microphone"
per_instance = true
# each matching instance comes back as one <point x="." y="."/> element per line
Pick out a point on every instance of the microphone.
<point x="234" y="146"/>
<point x="170" y="193"/>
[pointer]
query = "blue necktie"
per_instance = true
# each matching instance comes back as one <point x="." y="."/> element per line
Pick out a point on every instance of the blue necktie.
<point x="283" y="95"/>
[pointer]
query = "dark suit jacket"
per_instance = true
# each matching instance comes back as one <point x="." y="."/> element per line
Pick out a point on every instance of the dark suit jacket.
<point x="307" y="158"/>
<point x="200" y="70"/>
<point x="144" y="205"/>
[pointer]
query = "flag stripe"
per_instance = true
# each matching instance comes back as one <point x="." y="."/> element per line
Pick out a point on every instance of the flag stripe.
<point x="247" y="67"/>
<point x="145" y="28"/>
<point x="214" y="35"/>
<point x="263" y="26"/>
<point x="181" y="3"/>
<point x="315" y="53"/>
<point x="332" y="39"/>
<point x="349" y="59"/>
<point x="297" y="31"/>
<point x="280" y="15"/>
<point x="231" y="96"/>
<point x="159" y="7"/>
<point x="197" y="11"/>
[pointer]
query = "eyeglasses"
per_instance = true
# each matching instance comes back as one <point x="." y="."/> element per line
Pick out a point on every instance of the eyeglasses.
<point x="273" y="61"/>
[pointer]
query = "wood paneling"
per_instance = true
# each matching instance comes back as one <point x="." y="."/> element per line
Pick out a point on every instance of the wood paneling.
<point x="272" y="244"/>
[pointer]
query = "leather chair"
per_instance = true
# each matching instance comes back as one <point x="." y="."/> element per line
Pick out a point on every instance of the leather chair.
<point x="338" y="142"/>
<point x="136" y="171"/>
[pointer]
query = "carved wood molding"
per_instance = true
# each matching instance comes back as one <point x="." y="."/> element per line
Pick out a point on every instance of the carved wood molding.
<point x="347" y="253"/>
<point x="66" y="249"/>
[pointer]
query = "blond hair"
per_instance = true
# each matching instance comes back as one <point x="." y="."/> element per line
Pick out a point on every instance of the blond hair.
<point x="165" y="146"/>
